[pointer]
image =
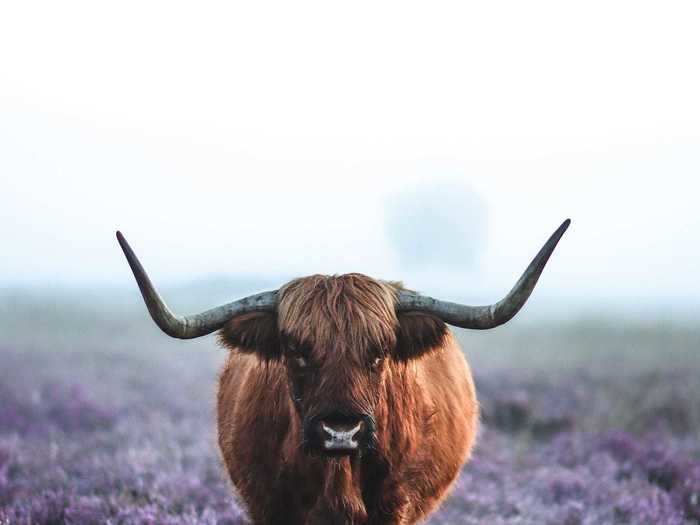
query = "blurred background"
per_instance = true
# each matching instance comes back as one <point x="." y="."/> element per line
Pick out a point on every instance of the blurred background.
<point x="240" y="145"/>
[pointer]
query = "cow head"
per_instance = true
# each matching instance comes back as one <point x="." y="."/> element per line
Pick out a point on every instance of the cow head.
<point x="335" y="334"/>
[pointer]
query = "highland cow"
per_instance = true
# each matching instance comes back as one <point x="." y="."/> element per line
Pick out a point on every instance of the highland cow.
<point x="344" y="399"/>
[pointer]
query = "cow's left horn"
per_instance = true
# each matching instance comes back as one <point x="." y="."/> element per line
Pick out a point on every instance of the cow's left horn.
<point x="196" y="325"/>
<point x="483" y="317"/>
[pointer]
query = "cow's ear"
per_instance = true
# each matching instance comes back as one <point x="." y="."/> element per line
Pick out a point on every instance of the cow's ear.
<point x="255" y="332"/>
<point x="417" y="334"/>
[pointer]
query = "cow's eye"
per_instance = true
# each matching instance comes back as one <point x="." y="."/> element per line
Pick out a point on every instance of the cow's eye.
<point x="301" y="362"/>
<point x="376" y="362"/>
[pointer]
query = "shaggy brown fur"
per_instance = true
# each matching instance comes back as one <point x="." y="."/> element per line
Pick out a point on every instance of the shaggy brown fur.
<point x="405" y="371"/>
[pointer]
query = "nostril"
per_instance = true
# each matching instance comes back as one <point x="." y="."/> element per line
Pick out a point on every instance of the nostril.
<point x="330" y="429"/>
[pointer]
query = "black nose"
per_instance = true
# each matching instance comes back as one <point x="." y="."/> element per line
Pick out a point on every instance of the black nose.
<point x="341" y="433"/>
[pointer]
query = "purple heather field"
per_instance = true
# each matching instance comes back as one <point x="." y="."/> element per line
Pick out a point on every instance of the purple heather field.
<point x="105" y="420"/>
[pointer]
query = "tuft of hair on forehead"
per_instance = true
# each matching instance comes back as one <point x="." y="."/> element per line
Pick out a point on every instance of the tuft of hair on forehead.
<point x="350" y="312"/>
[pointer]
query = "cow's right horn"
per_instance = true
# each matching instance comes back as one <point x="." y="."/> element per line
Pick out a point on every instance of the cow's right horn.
<point x="195" y="325"/>
<point x="488" y="316"/>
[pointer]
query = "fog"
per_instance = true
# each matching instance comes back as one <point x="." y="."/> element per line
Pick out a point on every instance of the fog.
<point x="439" y="145"/>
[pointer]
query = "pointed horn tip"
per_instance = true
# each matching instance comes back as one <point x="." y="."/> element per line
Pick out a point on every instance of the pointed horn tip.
<point x="122" y="240"/>
<point x="564" y="226"/>
<point x="123" y="244"/>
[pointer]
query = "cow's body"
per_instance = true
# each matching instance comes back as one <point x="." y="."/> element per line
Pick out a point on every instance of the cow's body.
<point x="425" y="433"/>
<point x="426" y="420"/>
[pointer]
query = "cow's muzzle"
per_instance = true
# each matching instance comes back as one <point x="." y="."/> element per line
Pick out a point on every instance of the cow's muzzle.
<point x="339" y="434"/>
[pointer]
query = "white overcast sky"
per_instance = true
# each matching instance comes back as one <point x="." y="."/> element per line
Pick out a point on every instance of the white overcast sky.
<point x="271" y="137"/>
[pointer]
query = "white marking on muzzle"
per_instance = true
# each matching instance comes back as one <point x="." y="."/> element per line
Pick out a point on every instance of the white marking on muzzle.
<point x="340" y="439"/>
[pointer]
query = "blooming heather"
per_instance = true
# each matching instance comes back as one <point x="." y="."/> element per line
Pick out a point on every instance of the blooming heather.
<point x="122" y="436"/>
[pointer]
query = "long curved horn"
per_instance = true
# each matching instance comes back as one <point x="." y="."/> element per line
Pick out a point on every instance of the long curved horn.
<point x="484" y="317"/>
<point x="196" y="325"/>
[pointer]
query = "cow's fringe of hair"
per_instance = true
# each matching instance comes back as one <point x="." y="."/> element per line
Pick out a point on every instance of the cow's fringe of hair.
<point x="315" y="309"/>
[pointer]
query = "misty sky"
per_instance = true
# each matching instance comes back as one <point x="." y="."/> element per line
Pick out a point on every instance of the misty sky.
<point x="290" y="138"/>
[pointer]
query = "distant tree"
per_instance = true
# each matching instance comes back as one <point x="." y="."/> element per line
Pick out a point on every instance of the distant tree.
<point x="439" y="224"/>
